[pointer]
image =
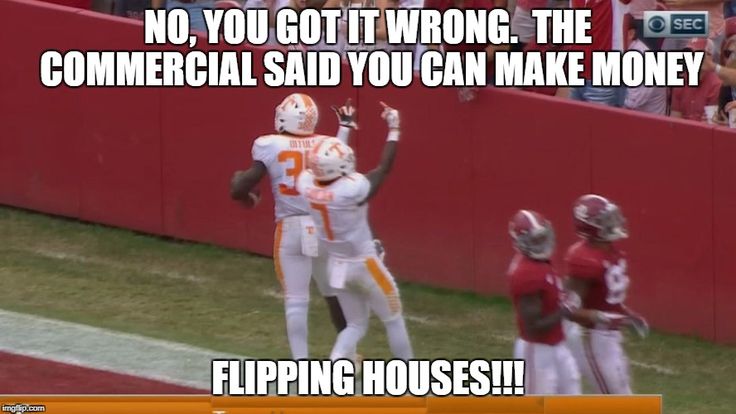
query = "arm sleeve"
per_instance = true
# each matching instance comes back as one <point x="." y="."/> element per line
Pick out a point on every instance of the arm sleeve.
<point x="343" y="134"/>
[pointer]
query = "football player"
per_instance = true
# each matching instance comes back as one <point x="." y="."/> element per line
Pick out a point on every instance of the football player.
<point x="597" y="280"/>
<point x="535" y="291"/>
<point x="338" y="198"/>
<point x="297" y="254"/>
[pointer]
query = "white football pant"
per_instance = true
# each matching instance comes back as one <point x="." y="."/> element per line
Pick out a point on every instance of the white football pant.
<point x="601" y="358"/>
<point x="365" y="285"/>
<point x="550" y="369"/>
<point x="295" y="270"/>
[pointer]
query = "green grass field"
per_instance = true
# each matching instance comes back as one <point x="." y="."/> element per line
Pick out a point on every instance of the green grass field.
<point x="229" y="301"/>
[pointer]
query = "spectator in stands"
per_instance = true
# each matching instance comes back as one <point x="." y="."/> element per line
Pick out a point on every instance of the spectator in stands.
<point x="725" y="70"/>
<point x="193" y="7"/>
<point x="533" y="46"/>
<point x="606" y="33"/>
<point x="649" y="99"/>
<point x="489" y="48"/>
<point x="523" y="24"/>
<point x="690" y="102"/>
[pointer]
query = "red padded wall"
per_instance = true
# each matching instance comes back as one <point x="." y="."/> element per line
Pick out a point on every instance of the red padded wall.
<point x="660" y="173"/>
<point x="120" y="142"/>
<point x="523" y="157"/>
<point x="41" y="128"/>
<point x="724" y="240"/>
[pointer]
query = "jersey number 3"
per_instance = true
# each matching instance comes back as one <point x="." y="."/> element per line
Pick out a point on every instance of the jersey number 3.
<point x="297" y="159"/>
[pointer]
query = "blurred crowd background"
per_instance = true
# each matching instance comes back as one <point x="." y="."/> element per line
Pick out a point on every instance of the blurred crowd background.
<point x="616" y="25"/>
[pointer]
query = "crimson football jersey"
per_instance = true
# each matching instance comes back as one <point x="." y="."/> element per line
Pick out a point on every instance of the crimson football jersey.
<point x="605" y="269"/>
<point x="528" y="277"/>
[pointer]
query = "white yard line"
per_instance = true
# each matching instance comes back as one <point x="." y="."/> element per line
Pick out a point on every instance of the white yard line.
<point x="60" y="255"/>
<point x="103" y="349"/>
<point x="420" y="320"/>
<point x="654" y="367"/>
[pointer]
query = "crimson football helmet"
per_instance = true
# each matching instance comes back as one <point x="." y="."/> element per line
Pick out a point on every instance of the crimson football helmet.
<point x="597" y="218"/>
<point x="532" y="234"/>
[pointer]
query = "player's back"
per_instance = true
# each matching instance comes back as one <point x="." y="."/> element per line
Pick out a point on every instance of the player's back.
<point x="336" y="210"/>
<point x="534" y="277"/>
<point x="285" y="157"/>
<point x="606" y="272"/>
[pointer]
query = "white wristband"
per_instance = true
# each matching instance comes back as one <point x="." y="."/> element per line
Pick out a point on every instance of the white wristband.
<point x="393" y="135"/>
<point x="343" y="134"/>
<point x="718" y="68"/>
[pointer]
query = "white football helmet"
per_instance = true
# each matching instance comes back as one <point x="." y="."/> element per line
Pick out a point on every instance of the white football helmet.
<point x="330" y="159"/>
<point x="297" y="114"/>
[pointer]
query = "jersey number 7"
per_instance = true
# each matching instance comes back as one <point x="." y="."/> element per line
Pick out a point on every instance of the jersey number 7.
<point x="297" y="157"/>
<point x="326" y="225"/>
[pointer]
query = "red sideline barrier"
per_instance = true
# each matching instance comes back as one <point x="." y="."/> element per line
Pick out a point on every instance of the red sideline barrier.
<point x="160" y="161"/>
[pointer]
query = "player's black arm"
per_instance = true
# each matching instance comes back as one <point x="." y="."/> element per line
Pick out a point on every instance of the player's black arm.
<point x="530" y="307"/>
<point x="243" y="181"/>
<point x="378" y="175"/>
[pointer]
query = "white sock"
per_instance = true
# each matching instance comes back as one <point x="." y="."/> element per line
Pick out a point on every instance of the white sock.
<point x="296" y="327"/>
<point x="398" y="338"/>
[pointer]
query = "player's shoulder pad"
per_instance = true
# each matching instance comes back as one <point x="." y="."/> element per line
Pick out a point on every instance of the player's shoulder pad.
<point x="265" y="140"/>
<point x="582" y="254"/>
<point x="357" y="186"/>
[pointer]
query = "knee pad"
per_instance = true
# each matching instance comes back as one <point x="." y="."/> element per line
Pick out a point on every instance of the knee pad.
<point x="298" y="303"/>
<point x="360" y="328"/>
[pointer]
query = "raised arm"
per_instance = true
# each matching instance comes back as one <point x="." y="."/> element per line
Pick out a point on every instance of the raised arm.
<point x="378" y="174"/>
<point x="346" y="119"/>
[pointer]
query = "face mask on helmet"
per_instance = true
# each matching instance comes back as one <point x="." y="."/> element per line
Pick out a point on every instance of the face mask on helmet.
<point x="537" y="245"/>
<point x="612" y="225"/>
<point x="297" y="114"/>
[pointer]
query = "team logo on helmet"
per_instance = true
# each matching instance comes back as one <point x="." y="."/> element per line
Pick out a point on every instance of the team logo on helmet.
<point x="331" y="159"/>
<point x="297" y="114"/>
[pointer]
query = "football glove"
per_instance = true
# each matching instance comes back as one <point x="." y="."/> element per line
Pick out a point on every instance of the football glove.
<point x="346" y="115"/>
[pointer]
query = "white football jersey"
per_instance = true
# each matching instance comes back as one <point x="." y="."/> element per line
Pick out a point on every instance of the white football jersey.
<point x="342" y="224"/>
<point x="285" y="156"/>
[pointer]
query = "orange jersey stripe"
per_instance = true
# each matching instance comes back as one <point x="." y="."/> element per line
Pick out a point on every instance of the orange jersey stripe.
<point x="379" y="276"/>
